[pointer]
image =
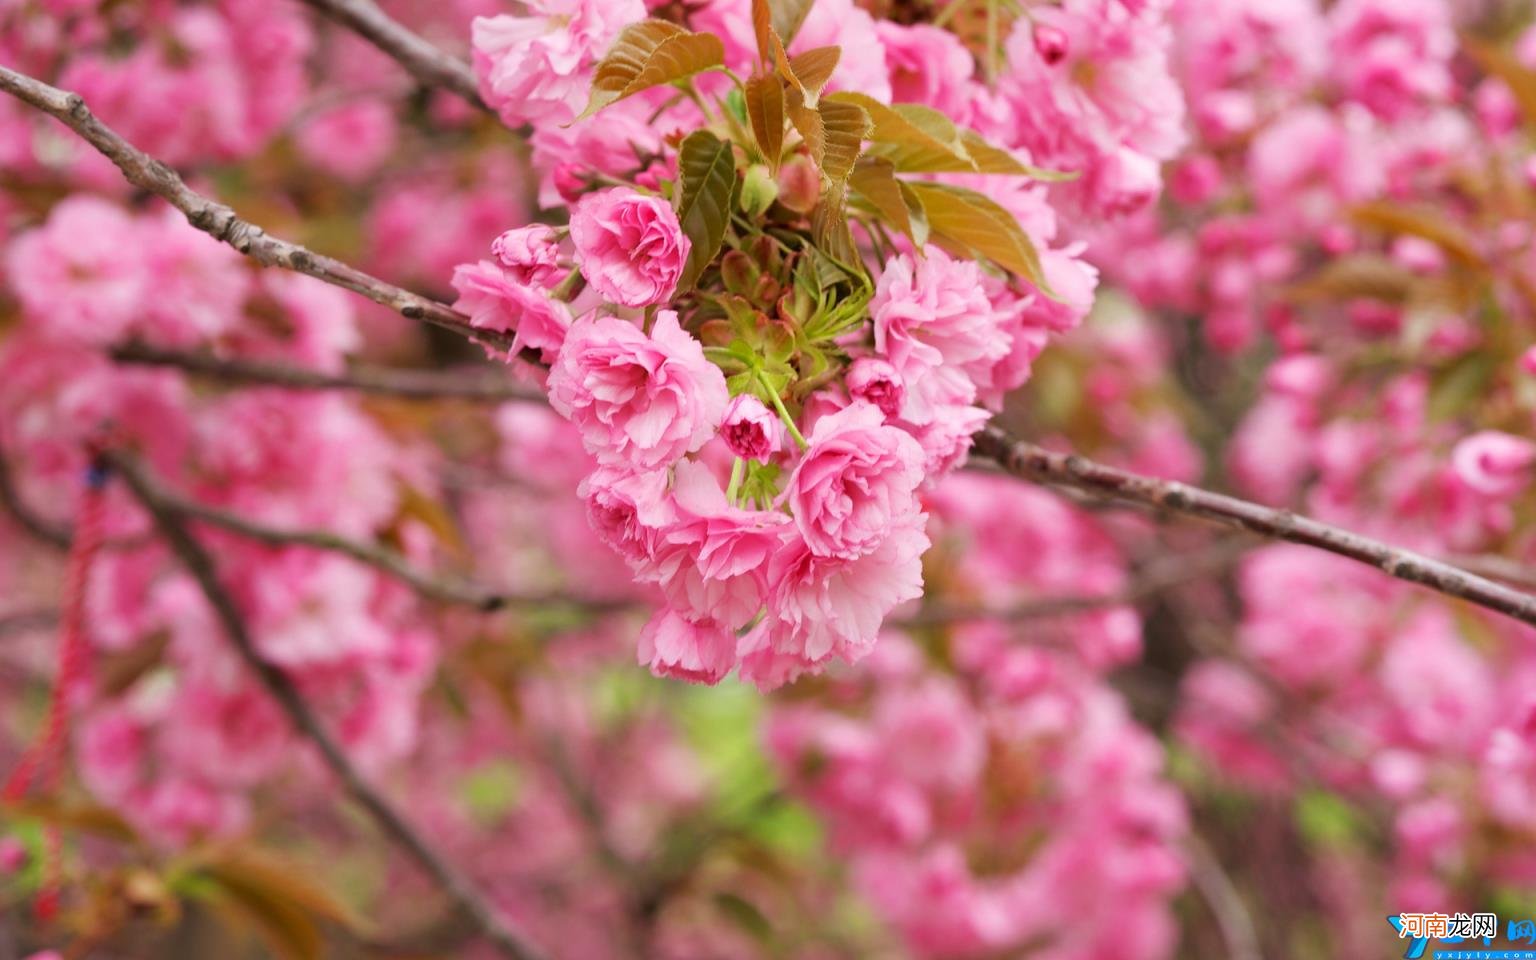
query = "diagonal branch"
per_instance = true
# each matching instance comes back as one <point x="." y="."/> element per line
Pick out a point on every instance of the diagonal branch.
<point x="432" y="66"/>
<point x="1031" y="462"/>
<point x="1153" y="579"/>
<point x="443" y="589"/>
<point x="220" y="222"/>
<point x="172" y="523"/>
<point x="407" y="384"/>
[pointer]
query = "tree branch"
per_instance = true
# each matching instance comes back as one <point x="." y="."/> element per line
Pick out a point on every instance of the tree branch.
<point x="424" y="61"/>
<point x="444" y="589"/>
<point x="1031" y="462"/>
<point x="221" y="223"/>
<point x="10" y="498"/>
<point x="1152" y="579"/>
<point x="171" y="520"/>
<point x="407" y="384"/>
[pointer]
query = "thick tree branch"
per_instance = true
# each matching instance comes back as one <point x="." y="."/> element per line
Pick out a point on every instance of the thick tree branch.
<point x="1031" y="462"/>
<point x="171" y="521"/>
<point x="221" y="223"/>
<point x="407" y="384"/>
<point x="424" y="61"/>
<point x="433" y="586"/>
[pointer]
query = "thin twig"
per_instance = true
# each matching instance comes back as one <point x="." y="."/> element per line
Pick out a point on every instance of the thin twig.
<point x="45" y="530"/>
<point x="220" y="222"/>
<point x="24" y="621"/>
<point x="172" y="524"/>
<point x="424" y="61"/>
<point x="1154" y="578"/>
<point x="1225" y="902"/>
<point x="1031" y="462"/>
<point x="408" y="384"/>
<point x="433" y="586"/>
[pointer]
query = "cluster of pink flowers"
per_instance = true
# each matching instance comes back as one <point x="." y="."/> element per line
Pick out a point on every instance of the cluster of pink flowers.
<point x="179" y="748"/>
<point x="780" y="535"/>
<point x="983" y="789"/>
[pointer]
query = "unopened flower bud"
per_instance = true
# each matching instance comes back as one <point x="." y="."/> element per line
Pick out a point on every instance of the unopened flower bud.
<point x="1050" y="43"/>
<point x="799" y="185"/>
<point x="751" y="430"/>
<point x="758" y="191"/>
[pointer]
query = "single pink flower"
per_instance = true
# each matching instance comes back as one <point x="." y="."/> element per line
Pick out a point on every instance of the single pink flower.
<point x="1493" y="463"/>
<point x="530" y="254"/>
<point x="630" y="246"/>
<point x="640" y="401"/>
<point x="856" y="481"/>
<point x="673" y="646"/>
<point x="878" y="382"/>
<point x="495" y="300"/>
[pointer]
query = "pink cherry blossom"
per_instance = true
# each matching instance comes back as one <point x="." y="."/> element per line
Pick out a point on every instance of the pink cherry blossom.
<point x="630" y="246"/>
<point x="641" y="399"/>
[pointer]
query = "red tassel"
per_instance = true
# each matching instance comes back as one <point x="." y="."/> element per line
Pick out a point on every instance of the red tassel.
<point x="43" y="763"/>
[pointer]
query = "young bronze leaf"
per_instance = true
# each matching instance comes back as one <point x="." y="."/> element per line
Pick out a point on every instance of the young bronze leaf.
<point x="788" y="16"/>
<point x="969" y="224"/>
<point x="813" y="68"/>
<point x="649" y="54"/>
<point x="1501" y="63"/>
<point x="809" y="122"/>
<point x="762" y="26"/>
<point x="829" y="225"/>
<point x="706" y="177"/>
<point x="765" y="108"/>
<point x="874" y="180"/>
<point x="844" y="126"/>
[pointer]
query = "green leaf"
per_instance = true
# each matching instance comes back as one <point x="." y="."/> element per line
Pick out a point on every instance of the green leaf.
<point x="913" y="138"/>
<point x="744" y="915"/>
<point x="649" y="54"/>
<point x="765" y="108"/>
<point x="969" y="224"/>
<point x="874" y="179"/>
<point x="706" y="175"/>
<point x="990" y="159"/>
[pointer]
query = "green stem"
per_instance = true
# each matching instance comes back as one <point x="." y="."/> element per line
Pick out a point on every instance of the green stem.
<point x="570" y="287"/>
<point x="738" y="470"/>
<point x="778" y="404"/>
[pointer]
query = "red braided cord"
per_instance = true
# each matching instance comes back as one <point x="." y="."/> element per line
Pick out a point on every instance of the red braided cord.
<point x="44" y="760"/>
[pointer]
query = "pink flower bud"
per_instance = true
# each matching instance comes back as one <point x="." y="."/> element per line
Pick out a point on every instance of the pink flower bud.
<point x="530" y="254"/>
<point x="1528" y="361"/>
<point x="1050" y="43"/>
<point x="751" y="430"/>
<point x="877" y="382"/>
<point x="13" y="855"/>
<point x="1493" y="463"/>
<point x="1196" y="180"/>
<point x="569" y="182"/>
